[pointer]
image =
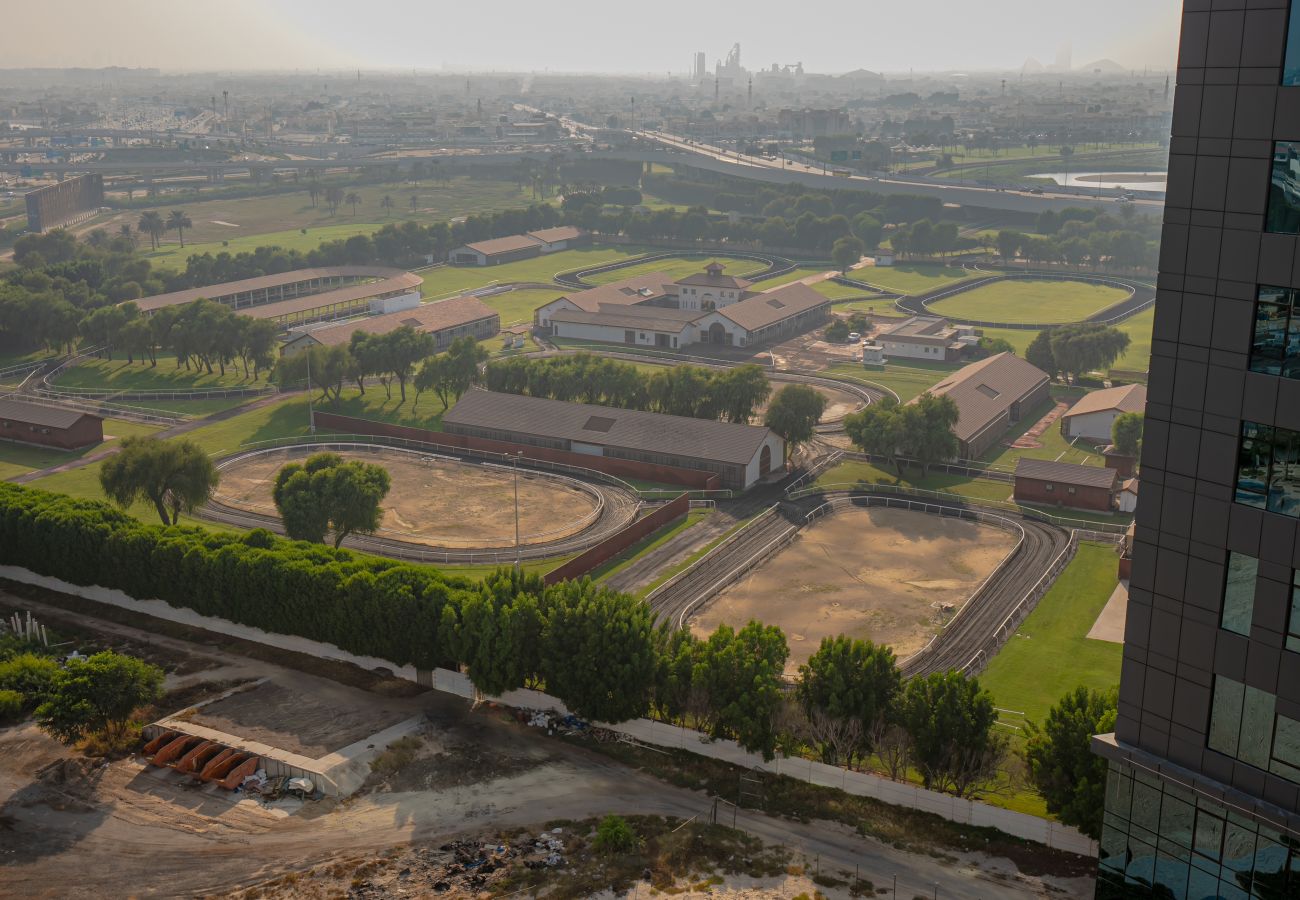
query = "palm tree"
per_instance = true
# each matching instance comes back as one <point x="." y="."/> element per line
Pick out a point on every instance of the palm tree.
<point x="125" y="231"/>
<point x="386" y="203"/>
<point x="152" y="224"/>
<point x="415" y="202"/>
<point x="179" y="221"/>
<point x="352" y="200"/>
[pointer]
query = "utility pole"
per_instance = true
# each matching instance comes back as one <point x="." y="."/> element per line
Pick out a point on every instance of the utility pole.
<point x="311" y="411"/>
<point x="516" y="457"/>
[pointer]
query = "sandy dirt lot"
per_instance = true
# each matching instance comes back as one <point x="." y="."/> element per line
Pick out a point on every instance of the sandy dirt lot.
<point x="885" y="575"/>
<point x="441" y="502"/>
<point x="838" y="403"/>
<point x="308" y="724"/>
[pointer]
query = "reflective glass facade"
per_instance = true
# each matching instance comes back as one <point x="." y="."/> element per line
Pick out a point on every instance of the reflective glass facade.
<point x="1284" y="189"/>
<point x="1275" y="343"/>
<point x="1291" y="67"/>
<point x="1161" y="840"/>
<point x="1268" y="469"/>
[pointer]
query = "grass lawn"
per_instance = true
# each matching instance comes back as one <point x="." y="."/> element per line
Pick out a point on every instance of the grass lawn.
<point x="1027" y="675"/>
<point x="907" y="381"/>
<point x="793" y="275"/>
<point x="853" y="472"/>
<point x="19" y="459"/>
<point x="1018" y="338"/>
<point x="1137" y="358"/>
<point x="446" y="281"/>
<point x="911" y="278"/>
<point x="258" y="217"/>
<point x="646" y="544"/>
<point x="517" y="306"/>
<point x="118" y="374"/>
<point x="172" y="256"/>
<point x="680" y="268"/>
<point x="1054" y="443"/>
<point x="13" y="358"/>
<point x="1031" y="302"/>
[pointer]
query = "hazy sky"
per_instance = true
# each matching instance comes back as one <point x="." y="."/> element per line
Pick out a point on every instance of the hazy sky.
<point x="584" y="35"/>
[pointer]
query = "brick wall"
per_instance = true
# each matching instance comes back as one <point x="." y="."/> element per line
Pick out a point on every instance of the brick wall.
<point x="616" y="543"/>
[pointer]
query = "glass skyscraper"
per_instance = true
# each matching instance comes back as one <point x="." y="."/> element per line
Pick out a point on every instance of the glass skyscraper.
<point x="1203" y="799"/>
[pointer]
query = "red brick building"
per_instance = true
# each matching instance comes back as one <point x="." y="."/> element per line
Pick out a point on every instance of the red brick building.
<point x="1047" y="482"/>
<point x="48" y="426"/>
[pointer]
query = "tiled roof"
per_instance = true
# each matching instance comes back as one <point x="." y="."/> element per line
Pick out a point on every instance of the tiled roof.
<point x="1125" y="398"/>
<point x="774" y="306"/>
<point x="504" y="244"/>
<point x="629" y="291"/>
<point x="427" y="317"/>
<point x="558" y="233"/>
<point x="985" y="389"/>
<point x="36" y="414"/>
<point x="652" y="318"/>
<point x="1065" y="473"/>
<point x="213" y="291"/>
<point x="606" y="426"/>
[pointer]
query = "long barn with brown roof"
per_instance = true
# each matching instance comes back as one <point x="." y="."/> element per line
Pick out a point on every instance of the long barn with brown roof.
<point x="991" y="396"/>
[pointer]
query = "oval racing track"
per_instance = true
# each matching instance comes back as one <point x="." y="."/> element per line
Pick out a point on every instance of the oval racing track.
<point x="957" y="646"/>
<point x="1140" y="296"/>
<point x="616" y="508"/>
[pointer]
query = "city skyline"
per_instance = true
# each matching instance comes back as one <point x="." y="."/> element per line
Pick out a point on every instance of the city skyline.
<point x="296" y="34"/>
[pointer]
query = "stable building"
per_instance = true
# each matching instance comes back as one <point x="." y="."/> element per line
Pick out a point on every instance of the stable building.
<point x="358" y="288"/>
<point x="642" y="326"/>
<point x="1045" y="481"/>
<point x="991" y="396"/>
<point x="925" y="337"/>
<point x="765" y="318"/>
<point x="515" y="247"/>
<point x="1092" y="417"/>
<point x="48" y="426"/>
<point x="446" y="320"/>
<point x="740" y="455"/>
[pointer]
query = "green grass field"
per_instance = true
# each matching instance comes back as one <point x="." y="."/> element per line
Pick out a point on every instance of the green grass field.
<point x="447" y="281"/>
<point x="911" y="278"/>
<point x="1018" y="338"/>
<point x="680" y="268"/>
<point x="220" y="220"/>
<point x="172" y="256"/>
<point x="907" y="381"/>
<point x="517" y="306"/>
<point x="853" y="472"/>
<point x="1027" y="675"/>
<point x="118" y="374"/>
<point x="19" y="459"/>
<point x="1031" y="302"/>
<point x="1054" y="446"/>
<point x="1137" y="358"/>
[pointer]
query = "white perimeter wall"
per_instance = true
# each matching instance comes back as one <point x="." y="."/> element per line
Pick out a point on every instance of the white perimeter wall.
<point x="862" y="784"/>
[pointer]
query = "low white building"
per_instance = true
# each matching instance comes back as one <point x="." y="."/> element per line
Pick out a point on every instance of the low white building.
<point x="925" y="337"/>
<point x="1128" y="496"/>
<point x="1095" y="413"/>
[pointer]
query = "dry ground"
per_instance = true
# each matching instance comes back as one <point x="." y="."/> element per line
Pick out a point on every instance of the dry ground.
<point x="440" y="502"/>
<point x="886" y="575"/>
<point x="838" y="403"/>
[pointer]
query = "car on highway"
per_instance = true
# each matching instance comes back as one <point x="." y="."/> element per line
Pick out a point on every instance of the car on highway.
<point x="1035" y="190"/>
<point x="854" y="337"/>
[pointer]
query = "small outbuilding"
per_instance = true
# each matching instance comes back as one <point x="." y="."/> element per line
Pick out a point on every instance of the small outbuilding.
<point x="1045" y="481"/>
<point x="1094" y="414"/>
<point x="48" y="426"/>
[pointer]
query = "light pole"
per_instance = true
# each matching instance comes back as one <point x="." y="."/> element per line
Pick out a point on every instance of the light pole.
<point x="311" y="411"/>
<point x="515" y="457"/>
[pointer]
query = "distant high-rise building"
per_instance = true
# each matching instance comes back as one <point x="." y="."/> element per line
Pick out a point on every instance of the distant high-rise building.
<point x="1203" y="794"/>
<point x="701" y="66"/>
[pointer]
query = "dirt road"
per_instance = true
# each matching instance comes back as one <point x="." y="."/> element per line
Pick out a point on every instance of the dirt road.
<point x="126" y="829"/>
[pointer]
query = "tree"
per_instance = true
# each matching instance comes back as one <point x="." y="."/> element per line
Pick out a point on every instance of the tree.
<point x="837" y="331"/>
<point x="738" y="674"/>
<point x="846" y="252"/>
<point x="877" y="430"/>
<point x="854" y="680"/>
<point x="352" y="199"/>
<point x="98" y="695"/>
<point x="1126" y="433"/>
<point x="927" y="430"/>
<point x="598" y="651"/>
<point x="740" y="391"/>
<point x="386" y="204"/>
<point x="992" y="346"/>
<point x="152" y="224"/>
<point x="329" y="368"/>
<point x="1039" y="353"/>
<point x="1084" y="346"/>
<point x="1009" y="243"/>
<point x="326" y="494"/>
<point x="402" y="349"/>
<point x="950" y="720"/>
<point x="868" y="229"/>
<point x="1071" y="778"/>
<point x="794" y="413"/>
<point x="174" y="475"/>
<point x="177" y="221"/>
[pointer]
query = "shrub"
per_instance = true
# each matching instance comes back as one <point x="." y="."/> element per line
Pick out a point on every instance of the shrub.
<point x="29" y="676"/>
<point x="11" y="706"/>
<point x="615" y="835"/>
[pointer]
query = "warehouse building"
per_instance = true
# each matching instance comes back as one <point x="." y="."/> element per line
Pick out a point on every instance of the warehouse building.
<point x="48" y="426"/>
<point x="305" y="295"/>
<point x="1046" y="481"/>
<point x="740" y="455"/>
<point x="515" y="247"/>
<point x="1095" y="413"/>
<point x="991" y="396"/>
<point x="446" y="320"/>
